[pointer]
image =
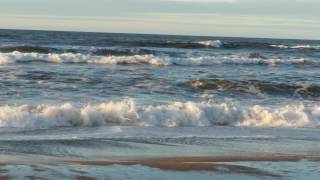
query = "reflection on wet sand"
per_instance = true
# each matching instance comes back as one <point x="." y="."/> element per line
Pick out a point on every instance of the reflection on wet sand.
<point x="213" y="164"/>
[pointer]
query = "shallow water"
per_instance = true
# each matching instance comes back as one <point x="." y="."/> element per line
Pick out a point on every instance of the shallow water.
<point x="55" y="153"/>
<point x="288" y="170"/>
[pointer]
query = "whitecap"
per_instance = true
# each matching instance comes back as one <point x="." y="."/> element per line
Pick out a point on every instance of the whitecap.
<point x="174" y="114"/>
<point x="215" y="43"/>
<point x="161" y="60"/>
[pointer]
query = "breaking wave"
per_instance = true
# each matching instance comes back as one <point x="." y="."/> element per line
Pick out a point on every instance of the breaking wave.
<point x="303" y="89"/>
<point x="121" y="52"/>
<point x="269" y="46"/>
<point x="175" y="114"/>
<point x="128" y="45"/>
<point x="100" y="51"/>
<point x="18" y="57"/>
<point x="169" y="44"/>
<point x="148" y="59"/>
<point x="27" y="49"/>
<point x="299" y="46"/>
<point x="214" y="44"/>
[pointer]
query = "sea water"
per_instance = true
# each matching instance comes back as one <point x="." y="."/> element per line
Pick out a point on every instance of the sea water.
<point x="91" y="96"/>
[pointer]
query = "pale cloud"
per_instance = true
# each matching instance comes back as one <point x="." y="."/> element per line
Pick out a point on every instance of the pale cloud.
<point x="207" y="1"/>
<point x="172" y="23"/>
<point x="255" y="18"/>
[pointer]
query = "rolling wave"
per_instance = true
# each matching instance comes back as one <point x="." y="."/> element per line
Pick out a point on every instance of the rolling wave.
<point x="150" y="59"/>
<point x="17" y="57"/>
<point x="28" y="49"/>
<point x="213" y="44"/>
<point x="269" y="46"/>
<point x="122" y="52"/>
<point x="298" y="46"/>
<point x="175" y="114"/>
<point x="169" y="44"/>
<point x="206" y="44"/>
<point x="76" y="49"/>
<point x="258" y="87"/>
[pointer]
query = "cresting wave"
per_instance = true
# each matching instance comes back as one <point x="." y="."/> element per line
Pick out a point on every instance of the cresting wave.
<point x="18" y="57"/>
<point x="27" y="49"/>
<point x="100" y="51"/>
<point x="303" y="89"/>
<point x="161" y="60"/>
<point x="108" y="51"/>
<point x="299" y="46"/>
<point x="212" y="44"/>
<point x="169" y="44"/>
<point x="128" y="45"/>
<point x="175" y="114"/>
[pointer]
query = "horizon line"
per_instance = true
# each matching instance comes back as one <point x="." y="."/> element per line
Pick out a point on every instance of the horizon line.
<point x="157" y="34"/>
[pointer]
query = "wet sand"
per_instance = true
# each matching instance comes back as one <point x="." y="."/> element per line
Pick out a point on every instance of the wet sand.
<point x="256" y="167"/>
<point x="212" y="164"/>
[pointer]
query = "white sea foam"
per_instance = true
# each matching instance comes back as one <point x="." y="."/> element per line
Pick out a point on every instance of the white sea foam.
<point x="279" y="46"/>
<point x="215" y="44"/>
<point x="237" y="59"/>
<point x="175" y="114"/>
<point x="299" y="46"/>
<point x="14" y="57"/>
<point x="18" y="57"/>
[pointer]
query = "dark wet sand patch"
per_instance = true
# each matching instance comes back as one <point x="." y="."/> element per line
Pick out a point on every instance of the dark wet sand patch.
<point x="201" y="164"/>
<point x="34" y="178"/>
<point x="189" y="166"/>
<point x="237" y="159"/>
<point x="84" y="178"/>
<point x="4" y="177"/>
<point x="198" y="160"/>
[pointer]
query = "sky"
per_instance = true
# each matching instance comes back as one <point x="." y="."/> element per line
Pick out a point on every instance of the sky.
<point x="298" y="19"/>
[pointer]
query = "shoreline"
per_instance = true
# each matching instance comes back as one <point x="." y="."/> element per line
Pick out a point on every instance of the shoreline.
<point x="209" y="164"/>
<point x="227" y="166"/>
<point x="199" y="159"/>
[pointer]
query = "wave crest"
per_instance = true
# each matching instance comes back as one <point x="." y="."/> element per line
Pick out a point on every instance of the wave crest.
<point x="17" y="57"/>
<point x="303" y="89"/>
<point x="130" y="47"/>
<point x="298" y="46"/>
<point x="27" y="49"/>
<point x="175" y="114"/>
<point x="161" y="60"/>
<point x="213" y="44"/>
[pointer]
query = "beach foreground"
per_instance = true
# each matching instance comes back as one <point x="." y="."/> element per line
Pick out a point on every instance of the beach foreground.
<point x="277" y="167"/>
<point x="167" y="153"/>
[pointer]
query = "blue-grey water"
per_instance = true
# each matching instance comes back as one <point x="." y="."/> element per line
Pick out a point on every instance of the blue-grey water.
<point x="97" y="95"/>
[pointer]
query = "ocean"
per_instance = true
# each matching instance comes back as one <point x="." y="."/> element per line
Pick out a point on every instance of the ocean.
<point x="77" y="105"/>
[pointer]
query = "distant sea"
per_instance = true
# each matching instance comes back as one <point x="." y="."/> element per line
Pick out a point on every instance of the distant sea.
<point x="129" y="106"/>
